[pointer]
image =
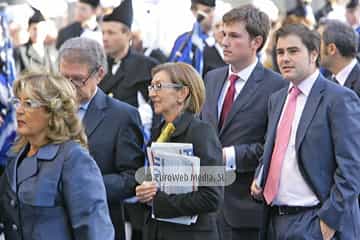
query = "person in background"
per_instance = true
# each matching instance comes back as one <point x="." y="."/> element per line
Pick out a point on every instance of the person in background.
<point x="311" y="143"/>
<point x="113" y="127"/>
<point x="36" y="55"/>
<point x="213" y="53"/>
<point x="189" y="46"/>
<point x="303" y="10"/>
<point x="325" y="10"/>
<point x="129" y="72"/>
<point x="339" y="44"/>
<point x="236" y="106"/>
<point x="352" y="15"/>
<point x="178" y="93"/>
<point x="85" y="24"/>
<point x="137" y="45"/>
<point x="51" y="187"/>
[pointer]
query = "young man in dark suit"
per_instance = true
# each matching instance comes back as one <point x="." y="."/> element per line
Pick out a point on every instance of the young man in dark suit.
<point x="113" y="127"/>
<point x="310" y="169"/>
<point x="236" y="105"/>
<point x="339" y="44"/>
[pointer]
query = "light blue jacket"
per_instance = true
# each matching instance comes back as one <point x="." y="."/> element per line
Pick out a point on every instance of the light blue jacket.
<point x="56" y="194"/>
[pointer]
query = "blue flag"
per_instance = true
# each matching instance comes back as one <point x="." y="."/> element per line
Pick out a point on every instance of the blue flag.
<point x="7" y="76"/>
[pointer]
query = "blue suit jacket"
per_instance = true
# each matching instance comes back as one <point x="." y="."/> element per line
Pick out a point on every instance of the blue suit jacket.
<point x="353" y="80"/>
<point x="58" y="194"/>
<point x="115" y="141"/>
<point x="327" y="145"/>
<point x="245" y="129"/>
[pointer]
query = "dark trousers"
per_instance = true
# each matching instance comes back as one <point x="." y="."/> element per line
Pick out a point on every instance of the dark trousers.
<point x="227" y="232"/>
<point x="304" y="225"/>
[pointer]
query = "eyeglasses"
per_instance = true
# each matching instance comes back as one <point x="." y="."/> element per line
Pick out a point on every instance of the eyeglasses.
<point x="28" y="104"/>
<point x="80" y="82"/>
<point x="158" y="86"/>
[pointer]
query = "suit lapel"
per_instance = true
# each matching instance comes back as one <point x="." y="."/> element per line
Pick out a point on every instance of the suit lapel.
<point x="95" y="113"/>
<point x="219" y="83"/>
<point x="312" y="103"/>
<point x="110" y="81"/>
<point x="26" y="169"/>
<point x="273" y="122"/>
<point x="182" y="123"/>
<point x="29" y="166"/>
<point x="353" y="76"/>
<point x="246" y="94"/>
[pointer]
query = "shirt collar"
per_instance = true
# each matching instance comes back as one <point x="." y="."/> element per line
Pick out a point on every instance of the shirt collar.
<point x="306" y="85"/>
<point x="344" y="73"/>
<point x="246" y="72"/>
<point x="84" y="106"/>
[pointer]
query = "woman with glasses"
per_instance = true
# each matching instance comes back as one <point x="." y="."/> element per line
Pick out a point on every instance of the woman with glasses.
<point x="51" y="188"/>
<point x="178" y="93"/>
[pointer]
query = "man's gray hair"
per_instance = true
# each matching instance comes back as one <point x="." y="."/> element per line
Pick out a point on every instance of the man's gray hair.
<point x="83" y="51"/>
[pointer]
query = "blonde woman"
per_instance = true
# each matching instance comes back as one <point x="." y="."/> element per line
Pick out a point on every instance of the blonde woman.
<point x="51" y="188"/>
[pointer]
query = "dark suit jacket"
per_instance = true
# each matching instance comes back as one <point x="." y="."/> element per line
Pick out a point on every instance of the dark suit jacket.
<point x="327" y="145"/>
<point x="353" y="80"/>
<point x="134" y="74"/>
<point x="58" y="194"/>
<point x="70" y="31"/>
<point x="115" y="142"/>
<point x="212" y="59"/>
<point x="204" y="202"/>
<point x="245" y="129"/>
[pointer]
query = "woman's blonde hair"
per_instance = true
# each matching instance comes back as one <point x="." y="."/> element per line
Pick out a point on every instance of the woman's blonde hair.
<point x="58" y="96"/>
<point x="185" y="75"/>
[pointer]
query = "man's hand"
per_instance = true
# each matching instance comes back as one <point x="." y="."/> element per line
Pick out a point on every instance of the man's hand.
<point x="256" y="192"/>
<point x="327" y="232"/>
<point x="1" y="120"/>
<point x="146" y="191"/>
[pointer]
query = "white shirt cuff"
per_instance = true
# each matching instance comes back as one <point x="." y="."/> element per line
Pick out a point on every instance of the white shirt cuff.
<point x="230" y="164"/>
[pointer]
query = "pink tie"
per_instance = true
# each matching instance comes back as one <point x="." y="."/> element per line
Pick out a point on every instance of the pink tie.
<point x="281" y="142"/>
<point x="229" y="99"/>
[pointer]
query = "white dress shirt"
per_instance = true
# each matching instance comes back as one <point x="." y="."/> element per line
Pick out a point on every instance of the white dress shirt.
<point x="293" y="189"/>
<point x="345" y="72"/>
<point x="244" y="75"/>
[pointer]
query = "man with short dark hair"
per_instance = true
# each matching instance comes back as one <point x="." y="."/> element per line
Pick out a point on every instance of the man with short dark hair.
<point x="339" y="44"/>
<point x="236" y="105"/>
<point x="310" y="169"/>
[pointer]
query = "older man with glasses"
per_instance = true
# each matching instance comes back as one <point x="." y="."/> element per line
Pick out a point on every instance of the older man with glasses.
<point x="113" y="127"/>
